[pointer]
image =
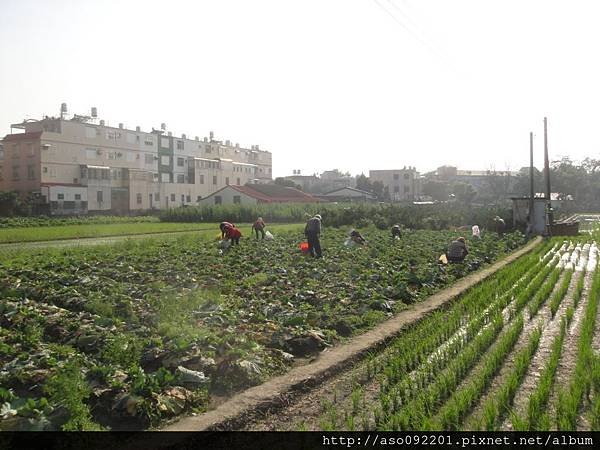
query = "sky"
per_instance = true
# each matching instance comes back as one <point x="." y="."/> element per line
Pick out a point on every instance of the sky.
<point x="322" y="84"/>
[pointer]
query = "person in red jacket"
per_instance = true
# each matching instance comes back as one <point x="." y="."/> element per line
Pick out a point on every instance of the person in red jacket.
<point x="233" y="234"/>
<point x="223" y="227"/>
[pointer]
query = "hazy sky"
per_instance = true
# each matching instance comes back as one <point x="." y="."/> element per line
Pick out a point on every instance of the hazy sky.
<point x="348" y="84"/>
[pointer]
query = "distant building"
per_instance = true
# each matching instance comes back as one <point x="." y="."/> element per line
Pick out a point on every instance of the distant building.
<point x="348" y="194"/>
<point x="400" y="184"/>
<point x="327" y="181"/>
<point x="258" y="193"/>
<point x="478" y="179"/>
<point x="77" y="166"/>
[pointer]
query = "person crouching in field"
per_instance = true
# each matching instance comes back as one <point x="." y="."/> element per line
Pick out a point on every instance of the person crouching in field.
<point x="259" y="227"/>
<point x="312" y="231"/>
<point x="223" y="227"/>
<point x="396" y="233"/>
<point x="457" y="251"/>
<point x="357" y="238"/>
<point x="233" y="234"/>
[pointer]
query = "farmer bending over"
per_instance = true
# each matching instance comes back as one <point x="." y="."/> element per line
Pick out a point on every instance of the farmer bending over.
<point x="223" y="227"/>
<point x="259" y="227"/>
<point x="357" y="238"/>
<point x="312" y="231"/>
<point x="396" y="233"/>
<point x="233" y="234"/>
<point x="457" y="250"/>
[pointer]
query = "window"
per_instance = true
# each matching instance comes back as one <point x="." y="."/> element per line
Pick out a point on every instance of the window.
<point x="69" y="204"/>
<point x="406" y="189"/>
<point x="154" y="176"/>
<point x="227" y="181"/>
<point x="164" y="142"/>
<point x="44" y="169"/>
<point x="60" y="196"/>
<point x="188" y="198"/>
<point x="1" y="178"/>
<point x="208" y="150"/>
<point x="148" y="140"/>
<point x="165" y="160"/>
<point x="396" y="176"/>
<point x="156" y="197"/>
<point x="218" y="200"/>
<point x="15" y="173"/>
<point x="201" y="179"/>
<point x="30" y="150"/>
<point x="237" y="200"/>
<point x="406" y="176"/>
<point x="91" y="153"/>
<point x="172" y="197"/>
<point x="179" y="162"/>
<point x="180" y="178"/>
<point x="30" y="172"/>
<point x="105" y="174"/>
<point x="214" y="179"/>
<point x="165" y="177"/>
<point x="179" y="145"/>
<point x="238" y="181"/>
<point x="15" y="150"/>
<point x="182" y="198"/>
<point x="396" y="188"/>
<point x="198" y="199"/>
<point x="99" y="196"/>
<point x="90" y="132"/>
<point x="77" y="196"/>
<point x="138" y="198"/>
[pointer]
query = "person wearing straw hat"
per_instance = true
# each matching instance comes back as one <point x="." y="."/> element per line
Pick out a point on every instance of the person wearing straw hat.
<point x="312" y="231"/>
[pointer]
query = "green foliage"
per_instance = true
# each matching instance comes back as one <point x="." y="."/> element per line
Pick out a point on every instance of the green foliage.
<point x="69" y="389"/>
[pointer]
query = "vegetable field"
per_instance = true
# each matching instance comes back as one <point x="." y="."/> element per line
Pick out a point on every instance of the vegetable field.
<point x="130" y="335"/>
<point x="520" y="351"/>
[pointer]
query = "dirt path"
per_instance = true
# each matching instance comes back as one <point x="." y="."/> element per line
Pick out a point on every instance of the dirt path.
<point x="306" y="381"/>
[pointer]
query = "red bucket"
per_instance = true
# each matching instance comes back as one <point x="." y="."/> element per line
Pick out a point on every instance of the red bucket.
<point x="303" y="246"/>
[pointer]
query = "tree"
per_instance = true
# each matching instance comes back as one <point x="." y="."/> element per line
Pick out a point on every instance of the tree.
<point x="287" y="183"/>
<point x="437" y="190"/>
<point x="464" y="193"/>
<point x="363" y="183"/>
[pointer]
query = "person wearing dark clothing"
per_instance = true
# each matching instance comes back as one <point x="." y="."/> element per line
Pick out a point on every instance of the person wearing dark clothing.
<point x="357" y="238"/>
<point x="457" y="250"/>
<point x="312" y="231"/>
<point x="233" y="234"/>
<point x="223" y="227"/>
<point x="259" y="227"/>
<point x="396" y="233"/>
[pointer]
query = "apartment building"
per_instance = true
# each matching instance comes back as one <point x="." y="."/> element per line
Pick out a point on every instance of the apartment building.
<point x="76" y="165"/>
<point x="400" y="185"/>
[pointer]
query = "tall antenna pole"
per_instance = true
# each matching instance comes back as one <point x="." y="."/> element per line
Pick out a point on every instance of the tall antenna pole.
<point x="531" y="187"/>
<point x="547" y="175"/>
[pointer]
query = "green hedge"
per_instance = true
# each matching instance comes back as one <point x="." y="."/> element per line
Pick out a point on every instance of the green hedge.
<point x="435" y="217"/>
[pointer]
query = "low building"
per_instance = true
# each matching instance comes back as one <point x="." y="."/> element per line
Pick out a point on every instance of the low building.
<point x="348" y="194"/>
<point x="399" y="185"/>
<point x="503" y="180"/>
<point x="257" y="193"/>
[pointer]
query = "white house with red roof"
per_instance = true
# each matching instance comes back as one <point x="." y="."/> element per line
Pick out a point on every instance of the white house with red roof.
<point x="257" y="193"/>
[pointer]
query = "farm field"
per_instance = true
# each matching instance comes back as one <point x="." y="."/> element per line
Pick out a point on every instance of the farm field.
<point x="520" y="351"/>
<point x="127" y="336"/>
<point x="60" y="232"/>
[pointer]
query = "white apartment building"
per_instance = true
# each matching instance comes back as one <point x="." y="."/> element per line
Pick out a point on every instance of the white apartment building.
<point x="76" y="166"/>
<point x="400" y="184"/>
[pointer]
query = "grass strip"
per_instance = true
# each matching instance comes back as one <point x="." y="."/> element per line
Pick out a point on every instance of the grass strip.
<point x="461" y="401"/>
<point x="497" y="406"/>
<point x="560" y="293"/>
<point x="537" y="419"/>
<point x="570" y="398"/>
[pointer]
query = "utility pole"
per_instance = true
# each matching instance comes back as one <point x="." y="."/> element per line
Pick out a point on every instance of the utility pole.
<point x="549" y="218"/>
<point x="531" y="187"/>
